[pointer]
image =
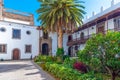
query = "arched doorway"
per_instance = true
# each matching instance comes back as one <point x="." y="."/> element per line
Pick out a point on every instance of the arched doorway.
<point x="45" y="49"/>
<point x="16" y="54"/>
<point x="70" y="51"/>
<point x="70" y="38"/>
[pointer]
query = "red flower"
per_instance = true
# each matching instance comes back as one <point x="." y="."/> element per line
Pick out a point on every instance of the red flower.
<point x="80" y="67"/>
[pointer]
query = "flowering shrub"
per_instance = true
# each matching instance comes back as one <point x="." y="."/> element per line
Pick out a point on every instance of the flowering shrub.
<point x="64" y="73"/>
<point x="80" y="67"/>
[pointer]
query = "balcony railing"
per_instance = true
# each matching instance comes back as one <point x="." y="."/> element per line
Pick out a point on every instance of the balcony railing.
<point x="78" y="40"/>
<point x="16" y="12"/>
<point x="18" y="15"/>
<point x="85" y="38"/>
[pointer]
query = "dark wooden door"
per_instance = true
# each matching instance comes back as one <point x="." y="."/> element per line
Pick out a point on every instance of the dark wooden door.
<point x="16" y="54"/>
<point x="70" y="51"/>
<point x="69" y="38"/>
<point x="45" y="49"/>
<point x="101" y="29"/>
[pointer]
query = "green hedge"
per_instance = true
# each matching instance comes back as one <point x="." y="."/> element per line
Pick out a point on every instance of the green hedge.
<point x="43" y="58"/>
<point x="65" y="73"/>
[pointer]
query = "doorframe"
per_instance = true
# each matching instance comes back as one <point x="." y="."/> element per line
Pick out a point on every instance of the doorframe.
<point x="19" y="53"/>
<point x="71" y="51"/>
<point x="47" y="47"/>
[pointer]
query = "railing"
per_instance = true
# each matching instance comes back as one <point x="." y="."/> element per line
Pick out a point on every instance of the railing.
<point x="78" y="40"/>
<point x="17" y="12"/>
<point x="18" y="15"/>
<point x="85" y="38"/>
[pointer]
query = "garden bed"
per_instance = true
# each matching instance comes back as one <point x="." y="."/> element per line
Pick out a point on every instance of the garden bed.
<point x="62" y="70"/>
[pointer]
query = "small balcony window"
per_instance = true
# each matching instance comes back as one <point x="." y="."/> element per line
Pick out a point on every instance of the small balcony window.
<point x="82" y="35"/>
<point x="45" y="35"/>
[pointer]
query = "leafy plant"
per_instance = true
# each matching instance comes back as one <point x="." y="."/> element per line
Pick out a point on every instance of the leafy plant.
<point x="64" y="73"/>
<point x="43" y="58"/>
<point x="102" y="51"/>
<point x="69" y="62"/>
<point x="65" y="56"/>
<point x="60" y="52"/>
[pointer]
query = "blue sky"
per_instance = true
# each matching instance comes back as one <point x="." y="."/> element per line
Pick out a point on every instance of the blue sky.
<point x="32" y="5"/>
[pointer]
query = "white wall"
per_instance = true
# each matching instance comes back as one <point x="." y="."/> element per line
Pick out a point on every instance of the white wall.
<point x="65" y="40"/>
<point x="92" y="30"/>
<point x="6" y="38"/>
<point x="111" y="24"/>
<point x="74" y="35"/>
<point x="16" y="21"/>
<point x="54" y="43"/>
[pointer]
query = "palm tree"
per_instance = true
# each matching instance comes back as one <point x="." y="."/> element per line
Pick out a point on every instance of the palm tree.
<point x="60" y="16"/>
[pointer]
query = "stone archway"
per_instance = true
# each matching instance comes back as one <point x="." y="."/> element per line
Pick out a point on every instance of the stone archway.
<point x="45" y="49"/>
<point x="70" y="51"/>
<point x="16" y="54"/>
<point x="47" y="41"/>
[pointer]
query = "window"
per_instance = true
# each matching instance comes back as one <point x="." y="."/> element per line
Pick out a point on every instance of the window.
<point x="2" y="48"/>
<point x="76" y="47"/>
<point x="118" y="23"/>
<point x="28" y="48"/>
<point x="28" y="32"/>
<point x="2" y="29"/>
<point x="45" y="35"/>
<point x="16" y="34"/>
<point x="82" y="35"/>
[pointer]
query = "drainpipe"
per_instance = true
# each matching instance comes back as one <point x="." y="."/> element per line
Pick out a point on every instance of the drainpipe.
<point x="39" y="41"/>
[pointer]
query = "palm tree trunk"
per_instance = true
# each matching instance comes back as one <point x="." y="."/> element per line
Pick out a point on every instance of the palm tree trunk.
<point x="60" y="38"/>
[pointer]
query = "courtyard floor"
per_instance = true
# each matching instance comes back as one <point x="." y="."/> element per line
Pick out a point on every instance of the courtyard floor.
<point x="22" y="70"/>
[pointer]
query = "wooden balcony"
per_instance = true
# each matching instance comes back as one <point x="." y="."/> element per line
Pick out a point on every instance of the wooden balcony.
<point x="78" y="41"/>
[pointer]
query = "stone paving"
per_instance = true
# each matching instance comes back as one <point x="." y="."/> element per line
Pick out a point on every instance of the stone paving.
<point x="22" y="70"/>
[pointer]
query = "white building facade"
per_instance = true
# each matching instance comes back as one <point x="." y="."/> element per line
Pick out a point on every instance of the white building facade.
<point x="21" y="41"/>
<point x="18" y="41"/>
